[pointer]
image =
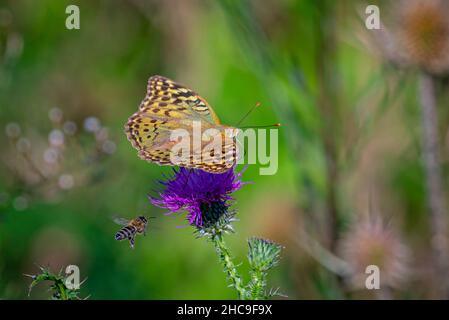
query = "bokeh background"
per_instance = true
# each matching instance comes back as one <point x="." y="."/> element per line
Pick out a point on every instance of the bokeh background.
<point x="350" y="188"/>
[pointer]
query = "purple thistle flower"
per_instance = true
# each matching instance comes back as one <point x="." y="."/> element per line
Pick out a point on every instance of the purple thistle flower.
<point x="205" y="196"/>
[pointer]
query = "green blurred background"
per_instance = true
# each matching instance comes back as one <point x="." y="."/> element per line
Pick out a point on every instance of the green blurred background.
<point x="350" y="135"/>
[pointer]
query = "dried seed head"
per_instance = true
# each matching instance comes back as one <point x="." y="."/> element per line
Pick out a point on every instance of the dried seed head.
<point x="13" y="130"/>
<point x="370" y="242"/>
<point x="423" y="34"/>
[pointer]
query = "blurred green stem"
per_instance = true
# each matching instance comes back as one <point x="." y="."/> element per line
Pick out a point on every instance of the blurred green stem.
<point x="328" y="105"/>
<point x="434" y="184"/>
<point x="228" y="265"/>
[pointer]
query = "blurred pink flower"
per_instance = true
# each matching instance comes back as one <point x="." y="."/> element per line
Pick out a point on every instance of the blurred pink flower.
<point x="370" y="242"/>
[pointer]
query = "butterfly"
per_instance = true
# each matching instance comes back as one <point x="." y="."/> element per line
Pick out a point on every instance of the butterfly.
<point x="169" y="106"/>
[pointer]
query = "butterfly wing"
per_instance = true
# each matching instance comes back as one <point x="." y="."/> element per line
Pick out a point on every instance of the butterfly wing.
<point x="168" y="106"/>
<point x="162" y="92"/>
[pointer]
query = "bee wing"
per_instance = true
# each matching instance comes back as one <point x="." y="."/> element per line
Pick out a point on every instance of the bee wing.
<point x="121" y="221"/>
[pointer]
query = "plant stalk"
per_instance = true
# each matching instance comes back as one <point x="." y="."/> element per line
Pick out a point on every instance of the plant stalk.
<point x="258" y="284"/>
<point x="228" y="266"/>
<point x="434" y="184"/>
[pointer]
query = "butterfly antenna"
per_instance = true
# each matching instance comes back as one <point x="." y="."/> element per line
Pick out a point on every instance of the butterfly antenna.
<point x="268" y="126"/>
<point x="247" y="114"/>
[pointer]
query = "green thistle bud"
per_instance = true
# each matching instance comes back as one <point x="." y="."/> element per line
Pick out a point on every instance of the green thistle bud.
<point x="263" y="254"/>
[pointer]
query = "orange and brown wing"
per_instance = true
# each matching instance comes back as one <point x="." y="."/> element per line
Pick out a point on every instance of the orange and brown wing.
<point x="166" y="107"/>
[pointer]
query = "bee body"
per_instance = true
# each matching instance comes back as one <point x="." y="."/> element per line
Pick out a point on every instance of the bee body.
<point x="126" y="233"/>
<point x="131" y="228"/>
<point x="140" y="224"/>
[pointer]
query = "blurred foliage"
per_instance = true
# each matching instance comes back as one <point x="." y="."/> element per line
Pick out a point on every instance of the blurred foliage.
<point x="350" y="135"/>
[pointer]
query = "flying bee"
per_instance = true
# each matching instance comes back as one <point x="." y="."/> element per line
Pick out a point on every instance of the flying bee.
<point x="131" y="228"/>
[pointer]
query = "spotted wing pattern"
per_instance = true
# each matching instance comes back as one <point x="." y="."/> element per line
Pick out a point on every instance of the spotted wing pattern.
<point x="169" y="106"/>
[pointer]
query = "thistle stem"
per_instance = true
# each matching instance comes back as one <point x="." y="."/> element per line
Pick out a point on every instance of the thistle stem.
<point x="228" y="265"/>
<point x="258" y="284"/>
<point x="434" y="184"/>
<point x="62" y="291"/>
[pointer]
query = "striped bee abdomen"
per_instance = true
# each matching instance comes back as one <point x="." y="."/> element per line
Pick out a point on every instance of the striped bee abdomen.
<point x="125" y="233"/>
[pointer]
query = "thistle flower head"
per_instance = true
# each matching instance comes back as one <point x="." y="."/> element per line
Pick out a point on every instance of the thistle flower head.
<point x="205" y="196"/>
<point x="370" y="242"/>
<point x="263" y="254"/>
